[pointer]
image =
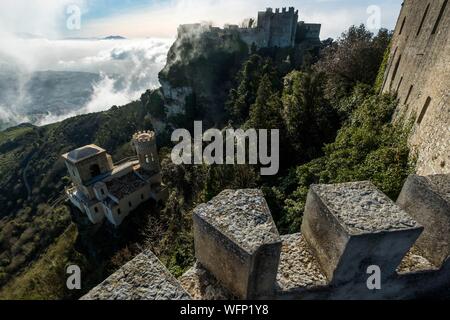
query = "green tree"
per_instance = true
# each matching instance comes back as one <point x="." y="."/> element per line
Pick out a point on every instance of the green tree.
<point x="367" y="147"/>
<point x="355" y="57"/>
<point x="248" y="79"/>
<point x="265" y="113"/>
<point x="310" y="121"/>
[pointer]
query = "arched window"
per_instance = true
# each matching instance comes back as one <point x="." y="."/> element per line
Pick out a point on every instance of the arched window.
<point x="94" y="170"/>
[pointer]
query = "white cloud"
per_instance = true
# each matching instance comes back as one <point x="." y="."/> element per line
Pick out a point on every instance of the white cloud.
<point x="127" y="68"/>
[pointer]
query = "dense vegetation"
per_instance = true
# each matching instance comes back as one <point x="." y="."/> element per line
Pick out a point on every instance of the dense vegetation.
<point x="334" y="127"/>
<point x="32" y="221"/>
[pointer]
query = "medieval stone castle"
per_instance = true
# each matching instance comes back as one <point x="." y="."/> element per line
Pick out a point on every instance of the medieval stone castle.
<point x="349" y="230"/>
<point x="279" y="28"/>
<point x="101" y="189"/>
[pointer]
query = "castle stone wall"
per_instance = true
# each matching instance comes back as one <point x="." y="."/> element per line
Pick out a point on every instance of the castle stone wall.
<point x="360" y="227"/>
<point x="419" y="72"/>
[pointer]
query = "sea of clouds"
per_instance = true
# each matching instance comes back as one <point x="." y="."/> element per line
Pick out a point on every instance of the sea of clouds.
<point x="127" y="68"/>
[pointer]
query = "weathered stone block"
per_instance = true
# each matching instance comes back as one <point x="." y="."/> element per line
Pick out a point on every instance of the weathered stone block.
<point x="352" y="226"/>
<point x="427" y="200"/>
<point x="143" y="278"/>
<point x="237" y="241"/>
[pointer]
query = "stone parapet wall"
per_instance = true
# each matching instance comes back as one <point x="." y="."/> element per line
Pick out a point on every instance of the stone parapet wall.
<point x="347" y="229"/>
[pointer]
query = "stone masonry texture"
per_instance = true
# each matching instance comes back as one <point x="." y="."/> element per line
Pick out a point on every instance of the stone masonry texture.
<point x="237" y="240"/>
<point x="143" y="278"/>
<point x="427" y="199"/>
<point x="350" y="226"/>
<point x="419" y="72"/>
<point x="409" y="268"/>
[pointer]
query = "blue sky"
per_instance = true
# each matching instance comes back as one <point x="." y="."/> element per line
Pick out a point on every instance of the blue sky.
<point x="105" y="8"/>
<point x="160" y="18"/>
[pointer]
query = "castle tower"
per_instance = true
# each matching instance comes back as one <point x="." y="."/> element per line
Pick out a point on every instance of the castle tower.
<point x="146" y="150"/>
<point x="279" y="27"/>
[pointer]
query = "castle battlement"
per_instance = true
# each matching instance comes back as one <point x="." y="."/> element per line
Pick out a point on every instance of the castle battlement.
<point x="347" y="230"/>
<point x="277" y="28"/>
<point x="144" y="137"/>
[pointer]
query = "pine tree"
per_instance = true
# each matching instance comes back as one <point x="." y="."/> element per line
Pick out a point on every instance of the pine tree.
<point x="265" y="113"/>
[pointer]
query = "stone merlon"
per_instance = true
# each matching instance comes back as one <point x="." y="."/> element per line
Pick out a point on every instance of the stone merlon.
<point x="237" y="240"/>
<point x="351" y="226"/>
<point x="143" y="278"/>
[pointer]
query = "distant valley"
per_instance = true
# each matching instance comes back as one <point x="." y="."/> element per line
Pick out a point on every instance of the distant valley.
<point x="34" y="97"/>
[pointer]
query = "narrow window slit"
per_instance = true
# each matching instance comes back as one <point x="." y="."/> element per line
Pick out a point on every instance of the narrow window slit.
<point x="423" y="20"/>
<point x="409" y="94"/>
<point x="439" y="18"/>
<point x="403" y="25"/>
<point x="424" y="110"/>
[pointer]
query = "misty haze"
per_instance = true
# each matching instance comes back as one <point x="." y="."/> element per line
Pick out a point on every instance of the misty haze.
<point x="63" y="78"/>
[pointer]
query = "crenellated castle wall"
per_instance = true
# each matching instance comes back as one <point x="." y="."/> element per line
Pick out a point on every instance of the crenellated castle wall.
<point x="348" y="229"/>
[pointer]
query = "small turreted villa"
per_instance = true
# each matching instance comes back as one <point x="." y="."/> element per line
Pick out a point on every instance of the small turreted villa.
<point x="102" y="189"/>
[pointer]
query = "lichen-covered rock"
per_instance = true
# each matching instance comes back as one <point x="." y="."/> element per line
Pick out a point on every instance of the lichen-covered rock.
<point x="414" y="261"/>
<point x="143" y="278"/>
<point x="351" y="226"/>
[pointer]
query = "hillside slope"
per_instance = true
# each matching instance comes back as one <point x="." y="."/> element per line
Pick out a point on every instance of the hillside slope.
<point x="31" y="156"/>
